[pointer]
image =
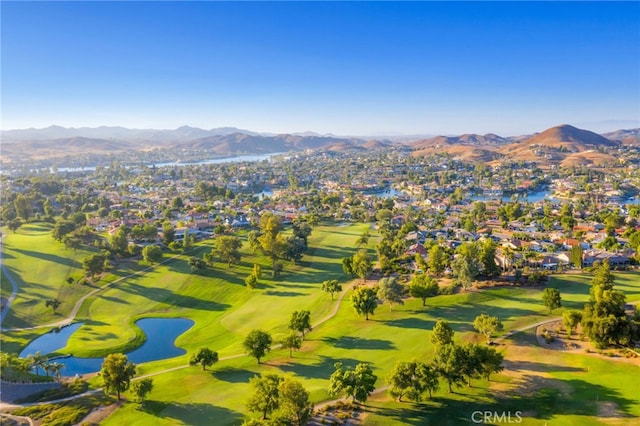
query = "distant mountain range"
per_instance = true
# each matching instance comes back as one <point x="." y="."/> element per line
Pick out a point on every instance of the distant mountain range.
<point x="563" y="144"/>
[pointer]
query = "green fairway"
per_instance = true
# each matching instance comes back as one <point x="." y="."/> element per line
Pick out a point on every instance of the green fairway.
<point x="540" y="386"/>
<point x="40" y="266"/>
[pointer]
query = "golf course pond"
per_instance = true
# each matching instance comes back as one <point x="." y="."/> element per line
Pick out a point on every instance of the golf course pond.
<point x="160" y="344"/>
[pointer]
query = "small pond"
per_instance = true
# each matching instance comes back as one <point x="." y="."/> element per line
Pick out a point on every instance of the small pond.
<point x="160" y="344"/>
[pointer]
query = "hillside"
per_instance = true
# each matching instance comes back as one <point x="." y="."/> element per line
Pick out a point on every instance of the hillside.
<point x="560" y="144"/>
<point x="557" y="145"/>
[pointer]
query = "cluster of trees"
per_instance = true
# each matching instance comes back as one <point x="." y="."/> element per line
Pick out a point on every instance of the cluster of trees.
<point x="12" y="366"/>
<point x="457" y="364"/>
<point x="117" y="373"/>
<point x="283" y="399"/>
<point x="603" y="319"/>
<point x="258" y="342"/>
<point x="253" y="278"/>
<point x="413" y="379"/>
<point x="270" y="240"/>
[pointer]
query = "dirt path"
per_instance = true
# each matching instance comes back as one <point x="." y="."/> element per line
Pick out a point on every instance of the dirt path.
<point x="19" y="419"/>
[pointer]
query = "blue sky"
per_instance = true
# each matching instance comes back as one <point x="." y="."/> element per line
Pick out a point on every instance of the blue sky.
<point x="354" y="68"/>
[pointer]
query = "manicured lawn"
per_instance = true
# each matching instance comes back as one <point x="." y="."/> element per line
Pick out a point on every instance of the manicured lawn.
<point x="40" y="265"/>
<point x="545" y="386"/>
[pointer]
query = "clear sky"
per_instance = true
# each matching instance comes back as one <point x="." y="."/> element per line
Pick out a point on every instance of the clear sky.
<point x="354" y="68"/>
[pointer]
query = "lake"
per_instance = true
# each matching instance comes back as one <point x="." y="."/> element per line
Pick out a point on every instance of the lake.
<point x="160" y="344"/>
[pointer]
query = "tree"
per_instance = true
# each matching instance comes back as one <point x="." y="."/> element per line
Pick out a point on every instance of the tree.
<point x="601" y="282"/>
<point x="227" y="248"/>
<point x="551" y="298"/>
<point x="271" y="241"/>
<point x="570" y="319"/>
<point x="168" y="233"/>
<point x="357" y="384"/>
<point x="205" y="357"/>
<point x="251" y="281"/>
<point x="363" y="239"/>
<point x="448" y="362"/>
<point x="364" y="301"/>
<point x="423" y="286"/>
<point x="62" y="228"/>
<point x="603" y="318"/>
<point x="53" y="303"/>
<point x="470" y="365"/>
<point x="300" y="321"/>
<point x="487" y="325"/>
<point x="490" y="360"/>
<point x="252" y="238"/>
<point x="488" y="258"/>
<point x="391" y="291"/>
<point x="257" y="344"/>
<point x="294" y="248"/>
<point x="294" y="402"/>
<point x="362" y="264"/>
<point x="116" y="373"/>
<point x="575" y="255"/>
<point x="23" y="207"/>
<point x="266" y="394"/>
<point x="466" y="269"/>
<point x="442" y="333"/>
<point x="438" y="260"/>
<point x="54" y="368"/>
<point x="118" y="241"/>
<point x="291" y="342"/>
<point x="14" y="224"/>
<point x="412" y="379"/>
<point x="142" y="388"/>
<point x="197" y="264"/>
<point x="302" y="230"/>
<point x="331" y="287"/>
<point x="152" y="253"/>
<point x="347" y="266"/>
<point x="94" y="264"/>
<point x="257" y="270"/>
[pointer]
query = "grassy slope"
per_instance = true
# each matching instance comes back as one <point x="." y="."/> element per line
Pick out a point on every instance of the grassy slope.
<point x="546" y="386"/>
<point x="40" y="265"/>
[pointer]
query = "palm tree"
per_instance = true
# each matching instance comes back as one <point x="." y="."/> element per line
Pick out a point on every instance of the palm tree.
<point x="55" y="368"/>
<point x="37" y="360"/>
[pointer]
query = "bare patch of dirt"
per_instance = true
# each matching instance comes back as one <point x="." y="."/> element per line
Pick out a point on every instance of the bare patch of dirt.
<point x="608" y="409"/>
<point x="573" y="344"/>
<point x="101" y="413"/>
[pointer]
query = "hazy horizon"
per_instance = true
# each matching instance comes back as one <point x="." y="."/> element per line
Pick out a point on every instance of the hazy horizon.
<point x="351" y="69"/>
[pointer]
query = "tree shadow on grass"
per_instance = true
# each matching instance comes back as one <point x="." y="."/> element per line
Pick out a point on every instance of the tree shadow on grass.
<point x="320" y="370"/>
<point x="50" y="257"/>
<point x="348" y="342"/>
<point x="466" y="312"/>
<point x="536" y="398"/>
<point x="162" y="295"/>
<point x="411" y="322"/>
<point x="192" y="413"/>
<point x="233" y="375"/>
<point x="110" y="298"/>
<point x="539" y="366"/>
<point x="283" y="293"/>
